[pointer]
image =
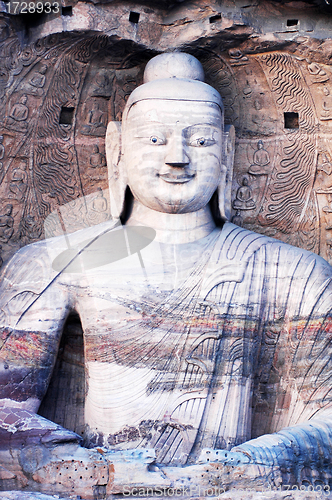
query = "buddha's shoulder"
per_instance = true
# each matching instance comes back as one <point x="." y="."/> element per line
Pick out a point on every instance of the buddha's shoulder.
<point x="240" y="244"/>
<point x="36" y="261"/>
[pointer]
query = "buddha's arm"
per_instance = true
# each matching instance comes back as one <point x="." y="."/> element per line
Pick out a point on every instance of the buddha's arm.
<point x="302" y="452"/>
<point x="31" y="320"/>
<point x="33" y="309"/>
<point x="302" y="447"/>
<point x="34" y="452"/>
<point x="298" y="456"/>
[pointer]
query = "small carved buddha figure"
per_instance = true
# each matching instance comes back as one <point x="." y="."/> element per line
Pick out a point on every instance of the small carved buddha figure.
<point x="96" y="116"/>
<point x="20" y="111"/>
<point x="19" y="114"/>
<point x="243" y="200"/>
<point x="18" y="182"/>
<point x="326" y="113"/>
<point x="96" y="121"/>
<point x="39" y="78"/>
<point x="261" y="160"/>
<point x="97" y="159"/>
<point x="237" y="219"/>
<point x="98" y="210"/>
<point x="6" y="224"/>
<point x="324" y="164"/>
<point x="317" y="73"/>
<point x="35" y="85"/>
<point x="207" y="348"/>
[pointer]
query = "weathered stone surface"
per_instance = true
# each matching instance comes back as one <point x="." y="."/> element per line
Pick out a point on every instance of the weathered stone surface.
<point x="173" y="329"/>
<point x="231" y="495"/>
<point x="20" y="495"/>
<point x="250" y="55"/>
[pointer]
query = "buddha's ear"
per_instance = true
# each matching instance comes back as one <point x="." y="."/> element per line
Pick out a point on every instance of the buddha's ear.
<point x="225" y="186"/>
<point x="116" y="174"/>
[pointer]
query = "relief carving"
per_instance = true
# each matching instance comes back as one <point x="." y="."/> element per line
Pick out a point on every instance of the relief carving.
<point x="243" y="199"/>
<point x="324" y="163"/>
<point x="96" y="119"/>
<point x="98" y="210"/>
<point x="298" y="156"/>
<point x="18" y="115"/>
<point x="53" y="182"/>
<point x="261" y="160"/>
<point x="326" y="112"/>
<point x="220" y="75"/>
<point x="237" y="57"/>
<point x="192" y="332"/>
<point x="2" y="154"/>
<point x="37" y="82"/>
<point x="97" y="159"/>
<point x="317" y="73"/>
<point x="6" y="224"/>
<point x="18" y="183"/>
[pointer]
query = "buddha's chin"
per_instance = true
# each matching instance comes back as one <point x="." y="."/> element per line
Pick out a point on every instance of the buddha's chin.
<point x="177" y="206"/>
<point x="169" y="203"/>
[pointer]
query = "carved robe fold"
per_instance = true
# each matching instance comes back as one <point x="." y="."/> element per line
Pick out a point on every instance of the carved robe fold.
<point x="239" y="348"/>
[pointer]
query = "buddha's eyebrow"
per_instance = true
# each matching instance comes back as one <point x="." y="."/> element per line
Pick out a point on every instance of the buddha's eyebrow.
<point x="204" y="128"/>
<point x="148" y="126"/>
<point x="148" y="123"/>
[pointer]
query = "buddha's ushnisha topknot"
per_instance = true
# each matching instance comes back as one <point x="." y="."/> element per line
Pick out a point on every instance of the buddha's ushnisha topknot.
<point x="174" y="76"/>
<point x="173" y="65"/>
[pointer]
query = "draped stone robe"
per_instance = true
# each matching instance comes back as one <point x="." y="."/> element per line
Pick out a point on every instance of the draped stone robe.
<point x="238" y="348"/>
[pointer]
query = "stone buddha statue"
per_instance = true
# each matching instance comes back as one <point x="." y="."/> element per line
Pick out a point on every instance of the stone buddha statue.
<point x="207" y="346"/>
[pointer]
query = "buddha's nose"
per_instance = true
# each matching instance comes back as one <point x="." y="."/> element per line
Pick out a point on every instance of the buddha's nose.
<point x="176" y="152"/>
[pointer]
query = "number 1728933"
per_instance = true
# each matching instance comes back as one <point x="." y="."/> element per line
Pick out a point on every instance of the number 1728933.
<point x="33" y="7"/>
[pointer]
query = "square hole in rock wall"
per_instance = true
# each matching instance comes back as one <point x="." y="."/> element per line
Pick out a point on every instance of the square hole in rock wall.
<point x="215" y="19"/>
<point x="291" y="120"/>
<point x="134" y="17"/>
<point x="67" y="11"/>
<point x="292" y="22"/>
<point x="66" y="116"/>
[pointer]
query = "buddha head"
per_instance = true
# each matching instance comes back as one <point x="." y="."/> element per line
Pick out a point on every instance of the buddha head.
<point x="172" y="149"/>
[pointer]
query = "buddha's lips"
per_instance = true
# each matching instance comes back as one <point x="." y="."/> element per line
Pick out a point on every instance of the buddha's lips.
<point x="176" y="178"/>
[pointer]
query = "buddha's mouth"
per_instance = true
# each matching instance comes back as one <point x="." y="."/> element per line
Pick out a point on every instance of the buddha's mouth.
<point x="176" y="178"/>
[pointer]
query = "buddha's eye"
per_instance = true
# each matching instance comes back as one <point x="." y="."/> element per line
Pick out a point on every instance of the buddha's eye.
<point x="201" y="141"/>
<point x="154" y="139"/>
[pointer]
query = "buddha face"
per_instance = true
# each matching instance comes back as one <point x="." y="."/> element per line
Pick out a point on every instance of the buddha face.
<point x="172" y="153"/>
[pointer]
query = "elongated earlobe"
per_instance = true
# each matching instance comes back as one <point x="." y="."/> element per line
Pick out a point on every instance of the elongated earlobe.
<point x="116" y="174"/>
<point x="225" y="186"/>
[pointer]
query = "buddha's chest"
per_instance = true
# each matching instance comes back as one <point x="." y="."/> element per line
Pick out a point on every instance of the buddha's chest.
<point x="147" y="321"/>
<point x="145" y="326"/>
<point x="154" y="352"/>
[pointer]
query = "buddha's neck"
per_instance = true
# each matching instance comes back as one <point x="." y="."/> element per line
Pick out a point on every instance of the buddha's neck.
<point x="174" y="228"/>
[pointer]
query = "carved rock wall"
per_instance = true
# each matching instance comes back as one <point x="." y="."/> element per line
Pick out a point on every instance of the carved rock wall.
<point x="64" y="75"/>
<point x="61" y="83"/>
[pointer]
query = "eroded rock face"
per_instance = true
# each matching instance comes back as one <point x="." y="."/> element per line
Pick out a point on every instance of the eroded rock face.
<point x="63" y="81"/>
<point x="269" y="61"/>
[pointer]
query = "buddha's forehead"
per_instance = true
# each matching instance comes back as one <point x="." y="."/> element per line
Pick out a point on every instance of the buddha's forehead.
<point x="174" y="112"/>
